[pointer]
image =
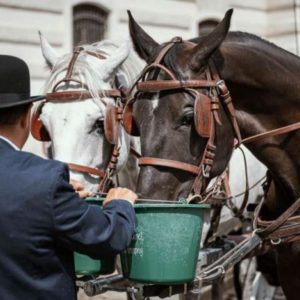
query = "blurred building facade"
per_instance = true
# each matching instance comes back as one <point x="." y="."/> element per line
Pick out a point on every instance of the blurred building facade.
<point x="66" y="23"/>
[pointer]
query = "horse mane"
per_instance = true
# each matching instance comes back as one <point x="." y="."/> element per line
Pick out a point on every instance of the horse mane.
<point x="86" y="70"/>
<point x="241" y="36"/>
<point x="248" y="39"/>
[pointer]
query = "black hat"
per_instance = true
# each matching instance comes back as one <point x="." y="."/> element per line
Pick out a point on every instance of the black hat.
<point x="14" y="82"/>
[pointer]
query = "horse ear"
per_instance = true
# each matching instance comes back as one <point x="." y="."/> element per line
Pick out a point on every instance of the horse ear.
<point x="49" y="53"/>
<point x="143" y="44"/>
<point x="210" y="43"/>
<point x="113" y="62"/>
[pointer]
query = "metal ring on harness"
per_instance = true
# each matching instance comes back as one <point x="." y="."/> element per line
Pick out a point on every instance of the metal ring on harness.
<point x="276" y="241"/>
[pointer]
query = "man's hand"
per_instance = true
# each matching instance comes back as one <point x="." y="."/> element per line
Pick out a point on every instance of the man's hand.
<point x="120" y="193"/>
<point x="78" y="187"/>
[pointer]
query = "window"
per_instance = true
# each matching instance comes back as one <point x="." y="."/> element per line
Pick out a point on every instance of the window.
<point x="89" y="24"/>
<point x="206" y="27"/>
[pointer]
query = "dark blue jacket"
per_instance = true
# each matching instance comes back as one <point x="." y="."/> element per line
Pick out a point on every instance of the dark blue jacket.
<point x="42" y="221"/>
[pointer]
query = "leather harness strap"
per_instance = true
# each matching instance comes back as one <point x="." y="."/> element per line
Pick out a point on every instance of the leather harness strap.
<point x="274" y="132"/>
<point x="80" y="95"/>
<point x="166" y="49"/>
<point x="284" y="228"/>
<point x="225" y="94"/>
<point x="226" y="97"/>
<point x="163" y="85"/>
<point x="76" y="53"/>
<point x="84" y="169"/>
<point x="153" y="161"/>
<point x="97" y="54"/>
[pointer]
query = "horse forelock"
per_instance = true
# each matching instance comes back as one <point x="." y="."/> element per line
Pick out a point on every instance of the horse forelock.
<point x="172" y="58"/>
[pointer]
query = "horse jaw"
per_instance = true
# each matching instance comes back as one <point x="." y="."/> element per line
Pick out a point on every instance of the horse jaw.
<point x="49" y="53"/>
<point x="124" y="168"/>
<point x="72" y="142"/>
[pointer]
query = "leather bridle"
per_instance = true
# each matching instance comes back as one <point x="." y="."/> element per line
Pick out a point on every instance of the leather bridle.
<point x="105" y="175"/>
<point x="204" y="122"/>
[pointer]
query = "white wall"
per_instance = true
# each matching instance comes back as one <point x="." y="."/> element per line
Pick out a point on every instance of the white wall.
<point x="20" y="21"/>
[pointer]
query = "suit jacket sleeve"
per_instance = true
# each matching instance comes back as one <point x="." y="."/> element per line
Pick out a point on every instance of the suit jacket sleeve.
<point x="89" y="229"/>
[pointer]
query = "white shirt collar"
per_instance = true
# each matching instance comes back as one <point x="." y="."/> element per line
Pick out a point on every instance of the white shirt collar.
<point x="9" y="142"/>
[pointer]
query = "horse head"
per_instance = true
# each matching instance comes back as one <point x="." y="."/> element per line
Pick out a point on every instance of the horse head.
<point x="172" y="120"/>
<point x="79" y="116"/>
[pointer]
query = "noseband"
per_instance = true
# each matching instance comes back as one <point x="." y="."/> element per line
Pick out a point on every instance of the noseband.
<point x="112" y="120"/>
<point x="205" y="112"/>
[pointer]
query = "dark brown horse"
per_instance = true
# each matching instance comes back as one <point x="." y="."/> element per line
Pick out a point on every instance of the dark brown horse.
<point x="263" y="80"/>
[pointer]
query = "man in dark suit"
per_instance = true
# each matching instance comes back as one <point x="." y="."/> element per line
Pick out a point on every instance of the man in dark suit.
<point x="42" y="219"/>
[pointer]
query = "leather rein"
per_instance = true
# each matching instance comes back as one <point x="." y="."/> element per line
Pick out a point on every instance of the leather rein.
<point x="106" y="174"/>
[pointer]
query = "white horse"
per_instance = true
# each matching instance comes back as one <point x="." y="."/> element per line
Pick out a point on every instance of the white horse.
<point x="76" y="128"/>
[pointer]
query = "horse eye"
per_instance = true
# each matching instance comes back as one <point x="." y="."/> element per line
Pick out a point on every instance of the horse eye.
<point x="187" y="119"/>
<point x="98" y="126"/>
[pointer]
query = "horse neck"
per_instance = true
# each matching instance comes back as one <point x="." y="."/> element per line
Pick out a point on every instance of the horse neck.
<point x="259" y="64"/>
<point x="262" y="79"/>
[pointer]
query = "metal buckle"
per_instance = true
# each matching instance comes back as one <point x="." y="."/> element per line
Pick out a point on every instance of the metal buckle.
<point x="218" y="83"/>
<point x="205" y="173"/>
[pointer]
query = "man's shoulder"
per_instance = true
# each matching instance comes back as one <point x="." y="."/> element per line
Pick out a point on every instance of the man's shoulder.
<point x="35" y="164"/>
<point x="35" y="158"/>
<point x="35" y="176"/>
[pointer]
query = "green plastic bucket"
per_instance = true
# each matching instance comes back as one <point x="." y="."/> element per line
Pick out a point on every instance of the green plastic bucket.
<point x="166" y="243"/>
<point x="84" y="265"/>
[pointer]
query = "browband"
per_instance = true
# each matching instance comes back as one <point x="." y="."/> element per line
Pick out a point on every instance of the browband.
<point x="160" y="85"/>
<point x="80" y="95"/>
<point x="161" y="162"/>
